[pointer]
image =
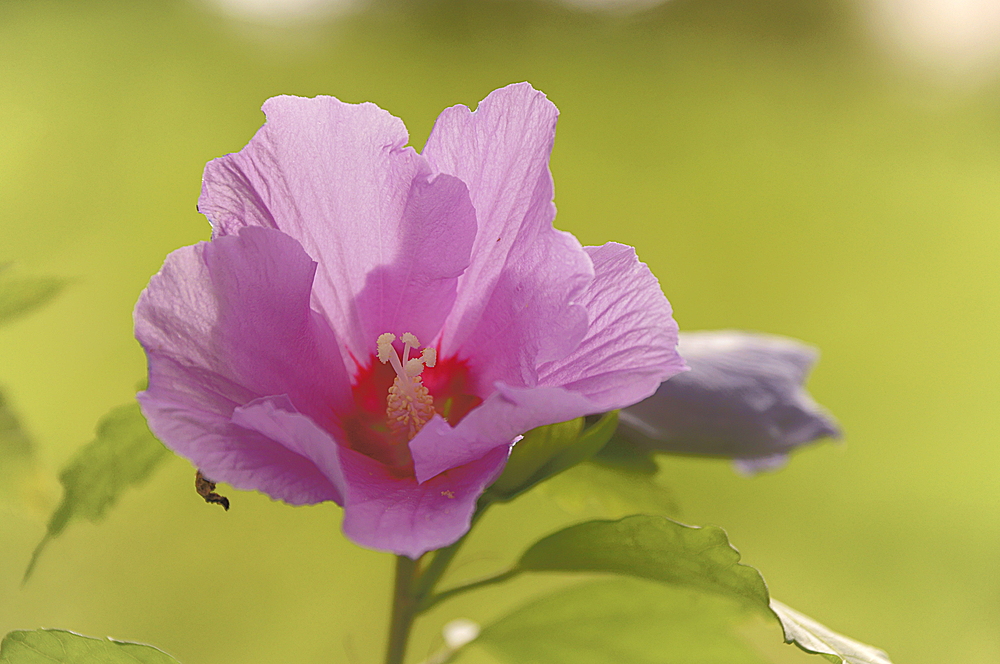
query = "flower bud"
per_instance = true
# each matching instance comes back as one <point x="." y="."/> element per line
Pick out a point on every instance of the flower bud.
<point x="743" y="398"/>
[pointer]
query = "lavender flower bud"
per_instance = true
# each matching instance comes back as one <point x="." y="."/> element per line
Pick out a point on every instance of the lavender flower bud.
<point x="743" y="398"/>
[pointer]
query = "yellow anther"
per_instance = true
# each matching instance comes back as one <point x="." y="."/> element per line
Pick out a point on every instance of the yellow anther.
<point x="409" y="406"/>
<point x="408" y="412"/>
<point x="385" y="350"/>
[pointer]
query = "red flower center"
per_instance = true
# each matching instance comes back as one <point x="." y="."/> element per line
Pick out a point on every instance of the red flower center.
<point x="367" y="428"/>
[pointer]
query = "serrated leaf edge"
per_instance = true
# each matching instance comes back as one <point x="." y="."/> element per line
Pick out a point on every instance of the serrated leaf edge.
<point x="89" y="638"/>
<point x="791" y="620"/>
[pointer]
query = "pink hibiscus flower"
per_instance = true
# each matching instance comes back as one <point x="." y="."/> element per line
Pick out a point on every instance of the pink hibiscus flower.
<point x="376" y="326"/>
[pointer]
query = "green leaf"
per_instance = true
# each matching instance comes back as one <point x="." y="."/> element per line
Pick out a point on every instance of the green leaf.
<point x="123" y="454"/>
<point x="15" y="445"/>
<point x="22" y="482"/>
<point x="620" y="452"/>
<point x="696" y="563"/>
<point x="611" y="492"/>
<point x="699" y="564"/>
<point x="815" y="638"/>
<point x="547" y="451"/>
<point x="49" y="646"/>
<point x="616" y="481"/>
<point x="20" y="295"/>
<point x="654" y="548"/>
<point x="613" y="622"/>
<point x="16" y="450"/>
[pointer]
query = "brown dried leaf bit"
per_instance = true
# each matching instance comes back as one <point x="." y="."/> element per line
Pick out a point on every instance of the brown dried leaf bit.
<point x="206" y="489"/>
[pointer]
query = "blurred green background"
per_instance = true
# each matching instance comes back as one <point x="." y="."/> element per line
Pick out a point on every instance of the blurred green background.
<point x="778" y="166"/>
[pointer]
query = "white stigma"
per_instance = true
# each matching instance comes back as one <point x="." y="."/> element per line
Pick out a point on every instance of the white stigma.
<point x="409" y="405"/>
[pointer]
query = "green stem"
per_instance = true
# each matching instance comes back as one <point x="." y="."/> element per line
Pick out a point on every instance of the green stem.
<point x="434" y="599"/>
<point x="404" y="610"/>
<point x="413" y="586"/>
<point x="435" y="570"/>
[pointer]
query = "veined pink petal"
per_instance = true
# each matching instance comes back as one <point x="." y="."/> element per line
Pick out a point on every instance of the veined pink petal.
<point x="628" y="350"/>
<point x="515" y="304"/>
<point x="631" y="341"/>
<point x="276" y="418"/>
<point x="415" y="291"/>
<point x="224" y="323"/>
<point x="397" y="514"/>
<point x="338" y="178"/>
<point x="228" y="453"/>
<point x="505" y="414"/>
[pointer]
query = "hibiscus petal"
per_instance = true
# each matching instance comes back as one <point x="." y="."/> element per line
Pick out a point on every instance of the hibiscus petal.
<point x="237" y="456"/>
<point x="515" y="302"/>
<point x="227" y="322"/>
<point x="338" y="178"/>
<point x="390" y="513"/>
<point x="494" y="424"/>
<point x="631" y="342"/>
<point x="628" y="350"/>
<point x="417" y="289"/>
<point x="750" y="467"/>
<point x="276" y="418"/>
<point x="236" y="312"/>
